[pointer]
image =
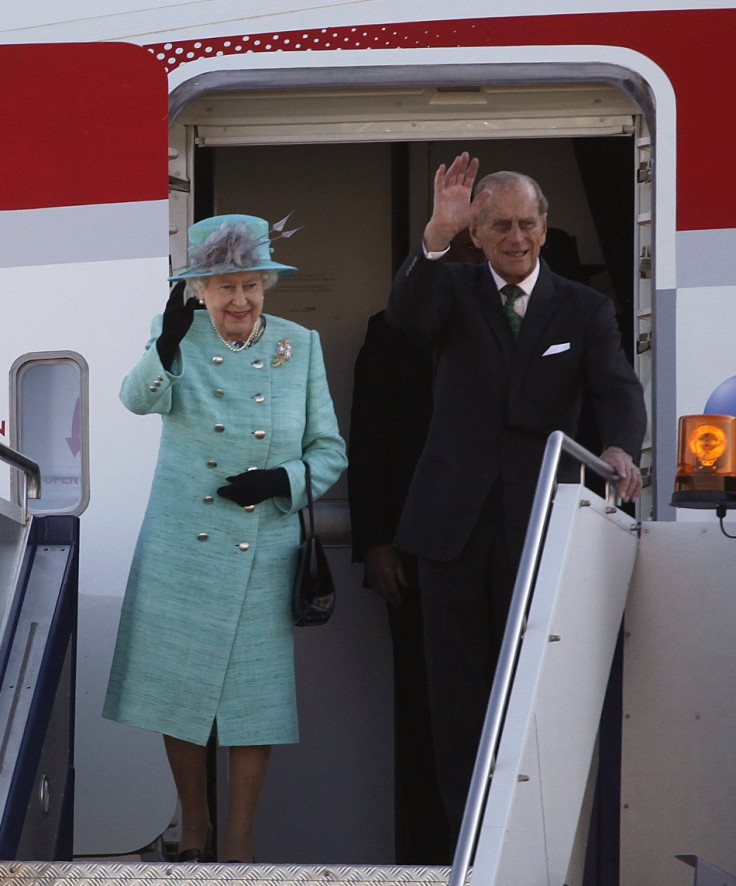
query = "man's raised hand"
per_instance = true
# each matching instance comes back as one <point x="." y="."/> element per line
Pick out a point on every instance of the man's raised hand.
<point x="454" y="208"/>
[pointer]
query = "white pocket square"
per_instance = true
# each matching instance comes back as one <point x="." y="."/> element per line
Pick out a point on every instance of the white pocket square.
<point x="557" y="349"/>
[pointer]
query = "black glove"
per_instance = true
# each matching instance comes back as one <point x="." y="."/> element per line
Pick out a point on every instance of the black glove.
<point x="252" y="487"/>
<point x="178" y="317"/>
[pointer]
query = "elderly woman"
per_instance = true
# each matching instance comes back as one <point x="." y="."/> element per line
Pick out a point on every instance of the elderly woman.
<point x="206" y="637"/>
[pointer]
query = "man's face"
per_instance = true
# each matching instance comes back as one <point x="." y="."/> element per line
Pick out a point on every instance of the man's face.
<point x="510" y="231"/>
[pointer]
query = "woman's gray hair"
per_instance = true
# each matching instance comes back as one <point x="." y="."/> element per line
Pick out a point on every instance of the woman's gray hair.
<point x="197" y="284"/>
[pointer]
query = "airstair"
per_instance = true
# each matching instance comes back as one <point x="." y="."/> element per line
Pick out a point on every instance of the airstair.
<point x="523" y="815"/>
<point x="38" y="597"/>
<point x="528" y="809"/>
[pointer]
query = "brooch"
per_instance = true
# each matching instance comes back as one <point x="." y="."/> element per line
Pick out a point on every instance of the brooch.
<point x="283" y="353"/>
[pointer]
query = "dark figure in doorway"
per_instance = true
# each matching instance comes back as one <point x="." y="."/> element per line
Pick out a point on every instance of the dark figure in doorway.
<point x="392" y="406"/>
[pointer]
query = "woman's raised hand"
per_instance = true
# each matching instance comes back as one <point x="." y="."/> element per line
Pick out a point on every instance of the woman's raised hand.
<point x="177" y="319"/>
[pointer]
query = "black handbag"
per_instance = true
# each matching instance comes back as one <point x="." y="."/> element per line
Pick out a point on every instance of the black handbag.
<point x="313" y="595"/>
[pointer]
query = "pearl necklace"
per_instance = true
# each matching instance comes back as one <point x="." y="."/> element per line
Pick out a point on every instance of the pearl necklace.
<point x="236" y="346"/>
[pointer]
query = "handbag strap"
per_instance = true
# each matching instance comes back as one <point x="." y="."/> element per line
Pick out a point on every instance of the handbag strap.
<point x="310" y="503"/>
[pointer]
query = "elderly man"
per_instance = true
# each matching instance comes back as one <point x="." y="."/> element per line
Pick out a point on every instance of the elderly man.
<point x="516" y="346"/>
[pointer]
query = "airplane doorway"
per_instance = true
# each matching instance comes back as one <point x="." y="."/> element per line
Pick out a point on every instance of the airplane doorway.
<point x="361" y="206"/>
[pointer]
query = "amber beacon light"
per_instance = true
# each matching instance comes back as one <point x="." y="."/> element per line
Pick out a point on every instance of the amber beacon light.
<point x="706" y="462"/>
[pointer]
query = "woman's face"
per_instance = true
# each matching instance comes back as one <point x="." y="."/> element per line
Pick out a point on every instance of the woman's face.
<point x="235" y="302"/>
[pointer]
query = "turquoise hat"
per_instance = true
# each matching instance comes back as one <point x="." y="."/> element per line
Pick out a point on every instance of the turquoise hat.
<point x="227" y="244"/>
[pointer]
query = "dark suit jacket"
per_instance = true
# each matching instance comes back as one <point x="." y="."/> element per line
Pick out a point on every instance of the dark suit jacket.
<point x="392" y="406"/>
<point x="495" y="403"/>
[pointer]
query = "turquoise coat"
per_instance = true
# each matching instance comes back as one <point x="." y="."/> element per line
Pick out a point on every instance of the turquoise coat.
<point x="206" y="631"/>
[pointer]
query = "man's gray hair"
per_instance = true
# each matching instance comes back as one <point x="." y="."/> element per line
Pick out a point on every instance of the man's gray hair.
<point x="505" y="179"/>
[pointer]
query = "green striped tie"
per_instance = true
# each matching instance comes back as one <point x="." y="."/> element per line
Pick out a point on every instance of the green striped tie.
<point x="512" y="293"/>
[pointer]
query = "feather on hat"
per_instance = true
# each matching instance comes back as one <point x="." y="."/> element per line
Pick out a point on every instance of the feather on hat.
<point x="228" y="244"/>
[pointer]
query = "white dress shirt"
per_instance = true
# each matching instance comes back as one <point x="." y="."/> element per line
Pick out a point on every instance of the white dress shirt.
<point x="527" y="284"/>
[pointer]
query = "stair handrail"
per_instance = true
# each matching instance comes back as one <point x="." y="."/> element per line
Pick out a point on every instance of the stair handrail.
<point x="557" y="443"/>
<point x="31" y="486"/>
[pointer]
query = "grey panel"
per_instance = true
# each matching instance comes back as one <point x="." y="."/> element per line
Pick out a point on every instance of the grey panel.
<point x="68" y="234"/>
<point x="700" y="258"/>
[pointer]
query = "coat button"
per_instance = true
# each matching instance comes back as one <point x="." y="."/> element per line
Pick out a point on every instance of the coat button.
<point x="153" y="389"/>
<point x="259" y="435"/>
<point x="257" y="364"/>
<point x="208" y="499"/>
<point x="219" y="428"/>
<point x="219" y="392"/>
<point x="217" y="360"/>
<point x="259" y="398"/>
<point x="244" y="546"/>
<point x="202" y="536"/>
<point x="211" y="464"/>
<point x="249" y="508"/>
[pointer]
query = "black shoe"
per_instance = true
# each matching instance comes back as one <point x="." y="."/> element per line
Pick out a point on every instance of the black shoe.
<point x="194" y="856"/>
<point x="189" y="855"/>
